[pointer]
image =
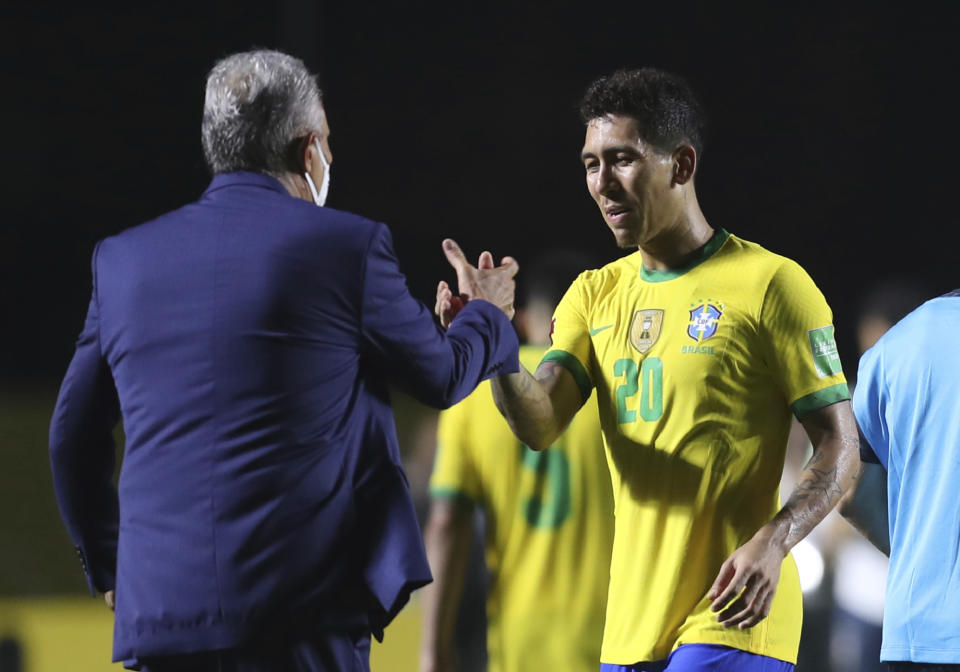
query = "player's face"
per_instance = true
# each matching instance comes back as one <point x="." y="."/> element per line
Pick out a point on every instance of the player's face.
<point x="630" y="180"/>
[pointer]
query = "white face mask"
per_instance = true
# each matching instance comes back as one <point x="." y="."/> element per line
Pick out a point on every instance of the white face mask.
<point x="320" y="197"/>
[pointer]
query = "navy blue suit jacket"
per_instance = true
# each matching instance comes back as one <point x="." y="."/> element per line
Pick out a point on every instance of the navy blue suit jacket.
<point x="246" y="340"/>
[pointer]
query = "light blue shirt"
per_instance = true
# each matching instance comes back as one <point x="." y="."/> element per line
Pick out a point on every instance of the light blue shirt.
<point x="907" y="403"/>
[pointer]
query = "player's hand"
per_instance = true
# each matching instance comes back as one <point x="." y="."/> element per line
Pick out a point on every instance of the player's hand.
<point x="754" y="569"/>
<point x="485" y="281"/>
<point x="448" y="304"/>
<point x="108" y="597"/>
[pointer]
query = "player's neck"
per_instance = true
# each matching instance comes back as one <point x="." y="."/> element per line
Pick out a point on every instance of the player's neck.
<point x="677" y="243"/>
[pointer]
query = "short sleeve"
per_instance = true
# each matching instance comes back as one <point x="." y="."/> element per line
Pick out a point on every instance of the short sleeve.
<point x="570" y="338"/>
<point x="455" y="474"/>
<point x="798" y="341"/>
<point x="868" y="407"/>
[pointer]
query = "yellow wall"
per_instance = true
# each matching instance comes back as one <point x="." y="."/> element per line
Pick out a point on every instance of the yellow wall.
<point x="74" y="634"/>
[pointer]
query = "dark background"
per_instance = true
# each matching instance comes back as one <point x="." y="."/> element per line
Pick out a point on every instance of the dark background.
<point x="832" y="140"/>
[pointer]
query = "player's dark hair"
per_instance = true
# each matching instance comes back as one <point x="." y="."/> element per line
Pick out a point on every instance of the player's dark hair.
<point x="548" y="276"/>
<point x="664" y="106"/>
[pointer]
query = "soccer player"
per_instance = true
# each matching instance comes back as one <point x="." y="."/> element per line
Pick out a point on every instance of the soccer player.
<point x="548" y="515"/>
<point x="699" y="345"/>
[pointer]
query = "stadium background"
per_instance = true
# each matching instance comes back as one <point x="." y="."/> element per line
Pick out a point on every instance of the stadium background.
<point x="833" y="139"/>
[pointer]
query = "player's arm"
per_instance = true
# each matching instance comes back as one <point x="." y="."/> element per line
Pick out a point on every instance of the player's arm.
<point x="754" y="568"/>
<point x="537" y="406"/>
<point x="447" y="538"/>
<point x="865" y="506"/>
<point x="795" y="339"/>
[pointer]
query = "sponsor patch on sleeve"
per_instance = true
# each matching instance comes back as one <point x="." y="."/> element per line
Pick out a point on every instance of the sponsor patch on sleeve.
<point x="823" y="347"/>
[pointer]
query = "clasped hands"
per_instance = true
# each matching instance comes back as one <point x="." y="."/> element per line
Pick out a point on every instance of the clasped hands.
<point x="484" y="281"/>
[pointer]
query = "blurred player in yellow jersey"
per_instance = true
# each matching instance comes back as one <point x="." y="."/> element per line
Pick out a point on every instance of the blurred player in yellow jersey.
<point x="698" y="345"/>
<point x="548" y="519"/>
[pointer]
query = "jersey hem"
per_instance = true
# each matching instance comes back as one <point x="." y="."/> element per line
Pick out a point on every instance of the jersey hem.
<point x="820" y="398"/>
<point x="573" y="365"/>
<point x="919" y="654"/>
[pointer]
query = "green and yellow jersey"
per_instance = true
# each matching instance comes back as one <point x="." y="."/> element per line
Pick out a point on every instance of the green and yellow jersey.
<point x="696" y="371"/>
<point x="549" y="527"/>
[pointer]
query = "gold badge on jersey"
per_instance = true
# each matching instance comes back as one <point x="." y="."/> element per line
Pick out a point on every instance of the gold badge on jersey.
<point x="645" y="329"/>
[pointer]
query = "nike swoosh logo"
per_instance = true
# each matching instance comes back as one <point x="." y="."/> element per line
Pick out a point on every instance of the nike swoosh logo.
<point x="594" y="332"/>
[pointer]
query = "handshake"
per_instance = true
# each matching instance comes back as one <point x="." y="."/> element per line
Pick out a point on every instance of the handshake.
<point x="483" y="281"/>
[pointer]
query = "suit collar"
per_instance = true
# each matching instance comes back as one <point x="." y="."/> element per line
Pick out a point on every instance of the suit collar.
<point x="245" y="179"/>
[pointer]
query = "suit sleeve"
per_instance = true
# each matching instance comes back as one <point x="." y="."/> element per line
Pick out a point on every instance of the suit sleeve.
<point x="437" y="368"/>
<point x="82" y="454"/>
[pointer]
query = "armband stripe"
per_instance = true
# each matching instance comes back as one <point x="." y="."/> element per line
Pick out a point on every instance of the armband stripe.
<point x="573" y="365"/>
<point x="452" y="494"/>
<point x="820" y="398"/>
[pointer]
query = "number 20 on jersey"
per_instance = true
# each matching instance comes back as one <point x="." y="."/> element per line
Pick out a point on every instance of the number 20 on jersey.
<point x="646" y="379"/>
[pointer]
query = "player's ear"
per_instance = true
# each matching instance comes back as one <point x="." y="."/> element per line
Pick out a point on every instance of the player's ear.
<point x="684" y="164"/>
<point x="299" y="152"/>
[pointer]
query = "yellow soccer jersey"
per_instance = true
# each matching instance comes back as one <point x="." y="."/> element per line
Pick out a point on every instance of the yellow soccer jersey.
<point x="549" y="526"/>
<point x="696" y="371"/>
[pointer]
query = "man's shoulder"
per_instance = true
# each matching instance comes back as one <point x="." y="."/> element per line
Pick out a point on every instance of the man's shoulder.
<point x="288" y="218"/>
<point x="766" y="269"/>
<point x="607" y="278"/>
<point x="139" y="233"/>
<point x="740" y="251"/>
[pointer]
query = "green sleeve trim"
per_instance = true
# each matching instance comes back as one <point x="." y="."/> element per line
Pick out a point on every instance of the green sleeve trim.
<point x="459" y="497"/>
<point x="573" y="365"/>
<point x="820" y="398"/>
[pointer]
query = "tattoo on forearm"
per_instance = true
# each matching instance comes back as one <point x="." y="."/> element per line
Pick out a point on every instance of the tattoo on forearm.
<point x="822" y="484"/>
<point x="523" y="400"/>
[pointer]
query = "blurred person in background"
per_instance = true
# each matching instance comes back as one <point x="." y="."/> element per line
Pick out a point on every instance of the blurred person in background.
<point x="908" y="411"/>
<point x="699" y="345"/>
<point x="263" y="521"/>
<point x="548" y="517"/>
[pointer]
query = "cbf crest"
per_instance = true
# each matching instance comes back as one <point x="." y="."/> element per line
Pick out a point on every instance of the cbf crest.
<point x="645" y="329"/>
<point x="704" y="320"/>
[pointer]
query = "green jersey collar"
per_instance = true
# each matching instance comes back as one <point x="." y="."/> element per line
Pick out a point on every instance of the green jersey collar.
<point x="716" y="241"/>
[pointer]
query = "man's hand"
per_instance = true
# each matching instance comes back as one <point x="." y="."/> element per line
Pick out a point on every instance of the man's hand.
<point x="754" y="568"/>
<point x="108" y="597"/>
<point x="493" y="284"/>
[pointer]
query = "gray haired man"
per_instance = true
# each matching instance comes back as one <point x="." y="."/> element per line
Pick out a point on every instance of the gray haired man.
<point x="263" y="520"/>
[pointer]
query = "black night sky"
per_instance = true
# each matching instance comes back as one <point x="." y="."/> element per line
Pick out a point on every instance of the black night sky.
<point x="832" y="140"/>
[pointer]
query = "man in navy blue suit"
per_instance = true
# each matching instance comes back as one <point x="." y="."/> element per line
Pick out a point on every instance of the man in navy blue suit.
<point x="262" y="519"/>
